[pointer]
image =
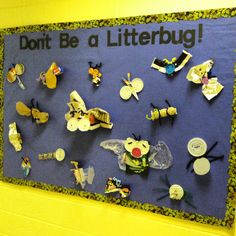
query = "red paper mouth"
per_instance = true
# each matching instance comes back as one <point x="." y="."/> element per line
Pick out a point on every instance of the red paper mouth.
<point x="136" y="152"/>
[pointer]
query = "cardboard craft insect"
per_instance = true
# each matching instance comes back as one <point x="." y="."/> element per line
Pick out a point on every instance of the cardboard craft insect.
<point x="33" y="111"/>
<point x="80" y="118"/>
<point x="95" y="74"/>
<point x="82" y="176"/>
<point x="59" y="155"/>
<point x="200" y="75"/>
<point x="113" y="185"/>
<point x="26" y="166"/>
<point x="13" y="73"/>
<point x="136" y="156"/>
<point x="175" y="192"/>
<point x="158" y="114"/>
<point x="132" y="87"/>
<point x="49" y="78"/>
<point x="171" y="67"/>
<point x="201" y="160"/>
<point x="15" y="137"/>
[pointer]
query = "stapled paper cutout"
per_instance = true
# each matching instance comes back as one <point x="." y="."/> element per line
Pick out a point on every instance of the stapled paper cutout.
<point x="59" y="155"/>
<point x="136" y="156"/>
<point x="80" y="118"/>
<point x="201" y="160"/>
<point x="94" y="73"/>
<point x="49" y="78"/>
<point x="132" y="87"/>
<point x="13" y="73"/>
<point x="174" y="192"/>
<point x="37" y="116"/>
<point x="200" y="75"/>
<point x="82" y="176"/>
<point x="26" y="166"/>
<point x="15" y="137"/>
<point x="113" y="185"/>
<point x="158" y="114"/>
<point x="171" y="67"/>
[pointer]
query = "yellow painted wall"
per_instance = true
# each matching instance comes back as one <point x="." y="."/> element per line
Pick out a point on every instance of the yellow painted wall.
<point x="31" y="212"/>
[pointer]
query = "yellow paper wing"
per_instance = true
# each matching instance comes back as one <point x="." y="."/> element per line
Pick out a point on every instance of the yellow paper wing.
<point x="212" y="89"/>
<point x="19" y="68"/>
<point x="75" y="97"/>
<point x="22" y="109"/>
<point x="51" y="79"/>
<point x="11" y="76"/>
<point x="195" y="74"/>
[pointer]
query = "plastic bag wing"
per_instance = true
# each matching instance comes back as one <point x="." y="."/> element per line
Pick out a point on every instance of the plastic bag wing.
<point x="160" y="156"/>
<point x="117" y="146"/>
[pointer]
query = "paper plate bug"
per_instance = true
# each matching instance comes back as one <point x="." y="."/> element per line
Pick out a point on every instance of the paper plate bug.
<point x="201" y="160"/>
<point x="33" y="111"/>
<point x="94" y="73"/>
<point x="157" y="114"/>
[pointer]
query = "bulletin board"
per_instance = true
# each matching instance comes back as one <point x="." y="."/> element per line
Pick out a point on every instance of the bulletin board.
<point x="126" y="45"/>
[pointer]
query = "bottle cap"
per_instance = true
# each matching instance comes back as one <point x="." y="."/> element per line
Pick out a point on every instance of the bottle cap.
<point x="197" y="147"/>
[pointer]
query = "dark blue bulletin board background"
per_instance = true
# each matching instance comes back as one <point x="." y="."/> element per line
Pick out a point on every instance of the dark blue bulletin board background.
<point x="196" y="116"/>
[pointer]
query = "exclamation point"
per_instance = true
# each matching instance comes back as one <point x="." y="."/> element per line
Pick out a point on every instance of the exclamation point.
<point x="200" y="33"/>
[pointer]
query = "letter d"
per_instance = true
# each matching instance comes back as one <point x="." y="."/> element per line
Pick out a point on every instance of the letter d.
<point x="23" y="42"/>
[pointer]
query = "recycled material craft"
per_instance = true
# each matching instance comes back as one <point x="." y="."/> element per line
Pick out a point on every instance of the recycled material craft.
<point x="132" y="87"/>
<point x="200" y="75"/>
<point x="197" y="147"/>
<point x="136" y="156"/>
<point x="174" y="192"/>
<point x="95" y="74"/>
<point x="49" y="78"/>
<point x="26" y="166"/>
<point x="157" y="114"/>
<point x="33" y="111"/>
<point x="173" y="66"/>
<point x="59" y="155"/>
<point x="83" y="176"/>
<point x="14" y="72"/>
<point x="80" y="118"/>
<point x="15" y="137"/>
<point x="113" y="185"/>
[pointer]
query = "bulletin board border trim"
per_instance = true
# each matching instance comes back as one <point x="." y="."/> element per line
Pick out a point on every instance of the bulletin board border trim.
<point x="157" y="18"/>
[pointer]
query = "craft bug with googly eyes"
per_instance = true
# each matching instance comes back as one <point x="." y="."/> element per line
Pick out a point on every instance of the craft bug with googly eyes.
<point x="136" y="156"/>
<point x="37" y="116"/>
<point x="94" y="73"/>
<point x="174" y="191"/>
<point x="158" y="114"/>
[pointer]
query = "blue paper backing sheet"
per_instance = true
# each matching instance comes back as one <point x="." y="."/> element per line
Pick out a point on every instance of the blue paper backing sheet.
<point x="196" y="117"/>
